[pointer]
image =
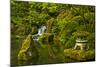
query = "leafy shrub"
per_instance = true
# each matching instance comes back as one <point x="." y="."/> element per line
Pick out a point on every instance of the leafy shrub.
<point x="70" y="43"/>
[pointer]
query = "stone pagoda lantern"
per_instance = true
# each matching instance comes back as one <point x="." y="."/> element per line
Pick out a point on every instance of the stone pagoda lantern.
<point x="81" y="40"/>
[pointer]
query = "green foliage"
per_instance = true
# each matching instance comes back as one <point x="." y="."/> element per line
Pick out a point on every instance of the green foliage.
<point x="70" y="43"/>
<point x="43" y="38"/>
<point x="46" y="37"/>
<point x="91" y="41"/>
<point x="90" y="17"/>
<point x="64" y="22"/>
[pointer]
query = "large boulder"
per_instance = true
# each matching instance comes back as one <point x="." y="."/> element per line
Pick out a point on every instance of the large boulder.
<point x="80" y="55"/>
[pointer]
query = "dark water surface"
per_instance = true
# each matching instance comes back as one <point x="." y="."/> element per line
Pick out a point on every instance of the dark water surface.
<point x="40" y="53"/>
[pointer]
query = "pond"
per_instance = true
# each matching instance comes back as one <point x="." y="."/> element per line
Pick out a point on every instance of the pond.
<point x="42" y="53"/>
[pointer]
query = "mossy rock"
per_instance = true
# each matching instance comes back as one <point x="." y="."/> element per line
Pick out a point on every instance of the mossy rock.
<point x="22" y="56"/>
<point x="25" y="45"/>
<point x="80" y="55"/>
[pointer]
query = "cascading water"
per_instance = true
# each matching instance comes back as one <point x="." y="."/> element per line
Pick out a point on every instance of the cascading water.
<point x="35" y="37"/>
<point x="40" y="32"/>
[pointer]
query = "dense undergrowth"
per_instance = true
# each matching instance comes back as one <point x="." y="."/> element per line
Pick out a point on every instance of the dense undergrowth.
<point x="64" y="22"/>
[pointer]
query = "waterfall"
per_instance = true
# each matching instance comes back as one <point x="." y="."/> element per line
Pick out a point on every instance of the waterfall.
<point x="35" y="37"/>
<point x="40" y="32"/>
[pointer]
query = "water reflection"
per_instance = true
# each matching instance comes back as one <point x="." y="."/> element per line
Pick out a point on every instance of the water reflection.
<point x="44" y="53"/>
